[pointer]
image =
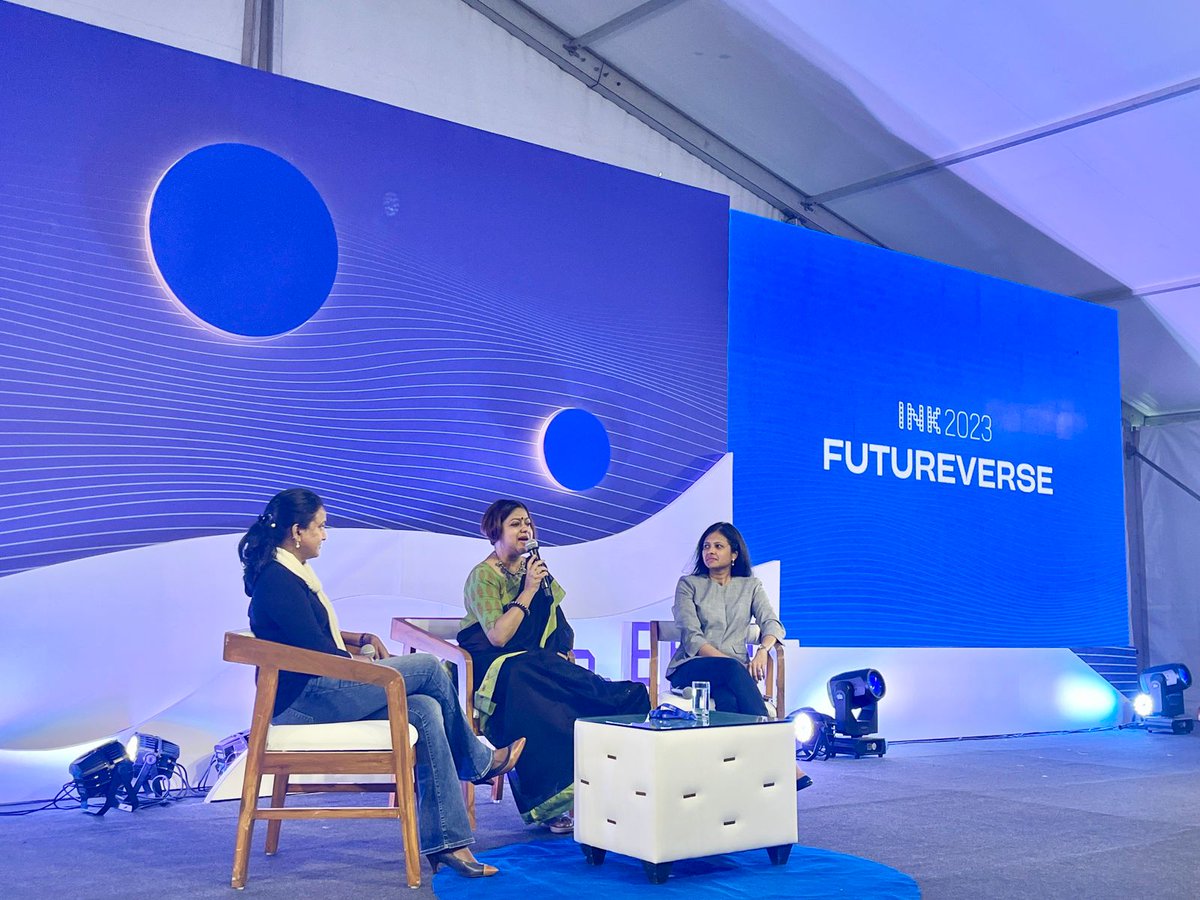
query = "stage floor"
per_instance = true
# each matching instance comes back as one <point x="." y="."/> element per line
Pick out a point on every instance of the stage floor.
<point x="1079" y="817"/>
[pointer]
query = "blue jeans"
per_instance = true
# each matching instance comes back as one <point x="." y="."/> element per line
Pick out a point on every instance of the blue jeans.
<point x="447" y="750"/>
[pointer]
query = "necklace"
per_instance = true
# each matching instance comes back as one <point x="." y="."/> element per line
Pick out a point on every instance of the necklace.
<point x="509" y="572"/>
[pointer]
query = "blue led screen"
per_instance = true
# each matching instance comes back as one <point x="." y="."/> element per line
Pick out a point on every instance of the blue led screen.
<point x="933" y="455"/>
<point x="471" y="286"/>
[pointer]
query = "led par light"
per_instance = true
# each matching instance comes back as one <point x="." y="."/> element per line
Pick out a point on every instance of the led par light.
<point x="153" y="760"/>
<point x="104" y="772"/>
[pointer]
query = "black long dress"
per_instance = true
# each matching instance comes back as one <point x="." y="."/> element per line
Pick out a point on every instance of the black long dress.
<point x="527" y="689"/>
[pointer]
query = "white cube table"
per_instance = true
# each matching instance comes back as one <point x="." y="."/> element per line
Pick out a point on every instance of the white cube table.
<point x="662" y="791"/>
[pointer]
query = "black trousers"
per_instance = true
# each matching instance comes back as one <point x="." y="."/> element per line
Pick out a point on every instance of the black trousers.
<point x="733" y="688"/>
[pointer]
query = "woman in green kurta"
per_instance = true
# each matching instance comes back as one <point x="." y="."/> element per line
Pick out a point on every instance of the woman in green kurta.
<point x="525" y="686"/>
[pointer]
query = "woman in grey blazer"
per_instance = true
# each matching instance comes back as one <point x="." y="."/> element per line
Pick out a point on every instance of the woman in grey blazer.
<point x="713" y="608"/>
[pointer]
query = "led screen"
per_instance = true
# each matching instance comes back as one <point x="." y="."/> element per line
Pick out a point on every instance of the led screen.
<point x="934" y="455"/>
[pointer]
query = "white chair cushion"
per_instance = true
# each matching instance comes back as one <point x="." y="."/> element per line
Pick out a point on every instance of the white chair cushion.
<point x="374" y="734"/>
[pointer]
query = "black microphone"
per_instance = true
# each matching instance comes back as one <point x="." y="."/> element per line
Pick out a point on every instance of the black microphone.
<point x="531" y="552"/>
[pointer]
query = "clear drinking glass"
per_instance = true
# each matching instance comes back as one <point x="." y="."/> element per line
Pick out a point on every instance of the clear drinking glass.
<point x="700" y="695"/>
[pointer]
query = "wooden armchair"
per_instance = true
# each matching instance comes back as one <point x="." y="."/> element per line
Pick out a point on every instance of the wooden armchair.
<point x="372" y="748"/>
<point x="667" y="631"/>
<point x="436" y="636"/>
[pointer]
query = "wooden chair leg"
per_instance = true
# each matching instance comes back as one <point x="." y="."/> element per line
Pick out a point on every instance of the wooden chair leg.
<point x="409" y="835"/>
<point x="497" y="788"/>
<point x="468" y="790"/>
<point x="278" y="798"/>
<point x="245" y="827"/>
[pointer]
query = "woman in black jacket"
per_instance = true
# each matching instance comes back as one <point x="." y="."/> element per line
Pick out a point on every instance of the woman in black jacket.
<point x="289" y="606"/>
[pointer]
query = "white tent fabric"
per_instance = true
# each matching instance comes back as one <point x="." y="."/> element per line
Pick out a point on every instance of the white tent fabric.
<point x="1172" y="545"/>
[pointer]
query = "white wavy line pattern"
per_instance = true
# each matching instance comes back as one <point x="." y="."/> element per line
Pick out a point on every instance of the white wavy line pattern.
<point x="410" y="401"/>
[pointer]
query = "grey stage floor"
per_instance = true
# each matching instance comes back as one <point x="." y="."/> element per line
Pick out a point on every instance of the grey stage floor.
<point x="1083" y="816"/>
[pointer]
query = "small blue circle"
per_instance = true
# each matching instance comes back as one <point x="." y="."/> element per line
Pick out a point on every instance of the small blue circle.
<point x="576" y="449"/>
<point x="243" y="239"/>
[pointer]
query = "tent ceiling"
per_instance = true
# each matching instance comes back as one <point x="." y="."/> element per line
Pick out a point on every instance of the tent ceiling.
<point x="1049" y="143"/>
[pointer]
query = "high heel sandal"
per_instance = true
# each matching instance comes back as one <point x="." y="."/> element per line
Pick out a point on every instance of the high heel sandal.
<point x="802" y="780"/>
<point x="467" y="868"/>
<point x="502" y="761"/>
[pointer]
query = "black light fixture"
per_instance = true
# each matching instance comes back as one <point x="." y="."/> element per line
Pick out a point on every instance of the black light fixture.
<point x="855" y="697"/>
<point x="104" y="772"/>
<point x="226" y="750"/>
<point x="153" y="760"/>
<point x="814" y="733"/>
<point x="1161" y="704"/>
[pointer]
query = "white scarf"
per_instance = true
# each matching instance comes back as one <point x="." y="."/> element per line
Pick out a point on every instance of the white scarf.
<point x="305" y="573"/>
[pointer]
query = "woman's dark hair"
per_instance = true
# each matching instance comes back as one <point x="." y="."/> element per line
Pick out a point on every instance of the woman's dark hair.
<point x="491" y="526"/>
<point x="741" y="566"/>
<point x="295" y="506"/>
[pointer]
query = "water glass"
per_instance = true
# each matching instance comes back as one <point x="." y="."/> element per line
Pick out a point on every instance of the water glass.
<point x="700" y="695"/>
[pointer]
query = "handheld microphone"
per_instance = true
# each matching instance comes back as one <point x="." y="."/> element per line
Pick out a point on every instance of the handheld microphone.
<point x="531" y="552"/>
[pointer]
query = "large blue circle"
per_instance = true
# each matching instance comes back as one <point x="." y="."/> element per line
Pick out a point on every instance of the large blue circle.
<point x="576" y="449"/>
<point x="243" y="239"/>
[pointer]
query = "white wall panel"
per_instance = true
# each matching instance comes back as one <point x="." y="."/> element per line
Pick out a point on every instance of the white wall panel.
<point x="211" y="27"/>
<point x="437" y="57"/>
<point x="442" y="58"/>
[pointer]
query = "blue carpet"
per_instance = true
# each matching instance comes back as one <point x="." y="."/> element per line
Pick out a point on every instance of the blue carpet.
<point x="537" y="871"/>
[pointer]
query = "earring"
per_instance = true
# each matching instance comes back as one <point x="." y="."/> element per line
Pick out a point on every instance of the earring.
<point x="297" y="543"/>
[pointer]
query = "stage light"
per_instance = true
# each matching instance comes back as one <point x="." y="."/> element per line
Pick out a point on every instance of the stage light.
<point x="1164" y="687"/>
<point x="104" y="772"/>
<point x="1143" y="705"/>
<point x="153" y="762"/>
<point x="226" y="750"/>
<point x="814" y="733"/>
<point x="855" y="697"/>
<point x="805" y="728"/>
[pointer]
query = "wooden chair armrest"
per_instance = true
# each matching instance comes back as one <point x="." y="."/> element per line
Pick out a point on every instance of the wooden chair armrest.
<point x="417" y="638"/>
<point x="252" y="651"/>
<point x="652" y="686"/>
<point x="414" y="637"/>
<point x="780" y="679"/>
